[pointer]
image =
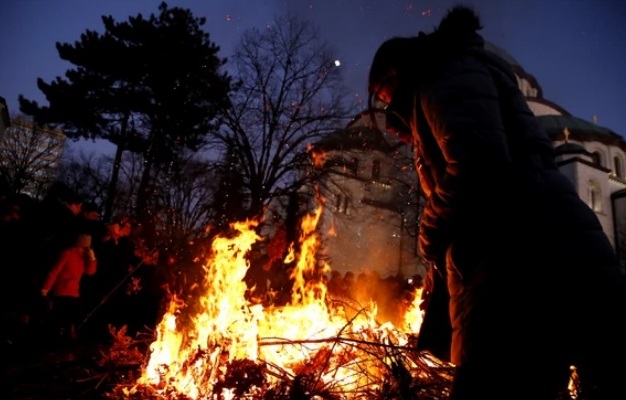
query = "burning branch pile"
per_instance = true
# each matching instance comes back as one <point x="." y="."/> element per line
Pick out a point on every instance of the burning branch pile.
<point x="224" y="347"/>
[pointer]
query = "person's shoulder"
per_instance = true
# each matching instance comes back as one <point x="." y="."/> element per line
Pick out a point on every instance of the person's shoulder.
<point x="65" y="251"/>
<point x="463" y="67"/>
<point x="71" y="251"/>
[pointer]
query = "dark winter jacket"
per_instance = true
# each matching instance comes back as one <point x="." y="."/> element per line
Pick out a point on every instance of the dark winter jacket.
<point x="498" y="205"/>
<point x="492" y="163"/>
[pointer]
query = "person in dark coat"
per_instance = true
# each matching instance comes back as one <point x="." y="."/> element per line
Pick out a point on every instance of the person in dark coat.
<point x="497" y="210"/>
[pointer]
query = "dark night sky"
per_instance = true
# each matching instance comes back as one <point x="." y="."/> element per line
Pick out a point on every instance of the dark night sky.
<point x="575" y="48"/>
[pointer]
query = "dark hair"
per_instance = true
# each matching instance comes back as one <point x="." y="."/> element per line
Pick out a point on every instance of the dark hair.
<point x="395" y="53"/>
<point x="460" y="21"/>
<point x="405" y="54"/>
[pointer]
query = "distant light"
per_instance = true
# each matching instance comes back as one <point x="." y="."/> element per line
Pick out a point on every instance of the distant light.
<point x="337" y="63"/>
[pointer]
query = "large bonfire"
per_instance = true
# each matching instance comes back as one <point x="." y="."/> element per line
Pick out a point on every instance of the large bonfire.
<point x="223" y="346"/>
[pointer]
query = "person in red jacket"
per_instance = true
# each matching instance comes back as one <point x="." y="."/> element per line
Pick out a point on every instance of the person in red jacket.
<point x="63" y="284"/>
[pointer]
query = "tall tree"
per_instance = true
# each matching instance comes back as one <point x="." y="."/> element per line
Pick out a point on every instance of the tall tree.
<point x="229" y="194"/>
<point x="184" y="202"/>
<point x="290" y="94"/>
<point x="149" y="85"/>
<point x="87" y="175"/>
<point x="29" y="156"/>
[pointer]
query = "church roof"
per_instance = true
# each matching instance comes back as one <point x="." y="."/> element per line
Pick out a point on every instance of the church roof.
<point x="579" y="129"/>
<point x="555" y="124"/>
<point x="502" y="53"/>
<point x="355" y="138"/>
<point x="570" y="148"/>
<point x="515" y="66"/>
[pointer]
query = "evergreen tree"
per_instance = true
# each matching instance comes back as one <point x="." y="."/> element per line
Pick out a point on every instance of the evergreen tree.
<point x="148" y="85"/>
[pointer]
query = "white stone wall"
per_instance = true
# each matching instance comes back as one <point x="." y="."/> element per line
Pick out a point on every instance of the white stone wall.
<point x="365" y="237"/>
<point x="526" y="87"/>
<point x="619" y="207"/>
<point x="615" y="152"/>
<point x="541" y="109"/>
<point x="589" y="178"/>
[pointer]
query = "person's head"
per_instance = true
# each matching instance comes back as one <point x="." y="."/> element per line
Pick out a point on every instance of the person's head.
<point x="83" y="241"/>
<point x="391" y="64"/>
<point x="390" y="82"/>
<point x="401" y="64"/>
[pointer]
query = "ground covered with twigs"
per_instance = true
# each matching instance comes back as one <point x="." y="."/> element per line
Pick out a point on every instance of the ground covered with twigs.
<point x="390" y="372"/>
<point x="36" y="368"/>
<point x="86" y="370"/>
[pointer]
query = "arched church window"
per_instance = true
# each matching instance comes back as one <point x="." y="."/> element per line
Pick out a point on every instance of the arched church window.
<point x="618" y="168"/>
<point x="355" y="166"/>
<point x="597" y="158"/>
<point x="595" y="196"/>
<point x="338" y="203"/>
<point x="376" y="170"/>
<point x="343" y="204"/>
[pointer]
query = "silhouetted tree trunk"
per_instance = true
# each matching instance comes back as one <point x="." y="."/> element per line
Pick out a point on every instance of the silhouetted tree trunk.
<point x="115" y="172"/>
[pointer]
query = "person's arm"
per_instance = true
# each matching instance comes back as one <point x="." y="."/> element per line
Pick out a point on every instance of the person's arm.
<point x="53" y="273"/>
<point x="463" y="114"/>
<point x="91" y="263"/>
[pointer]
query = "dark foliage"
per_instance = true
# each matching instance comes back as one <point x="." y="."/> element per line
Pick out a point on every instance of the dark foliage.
<point x="149" y="85"/>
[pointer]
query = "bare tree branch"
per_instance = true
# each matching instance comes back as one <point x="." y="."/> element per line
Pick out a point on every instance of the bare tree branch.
<point x="290" y="95"/>
<point x="29" y="156"/>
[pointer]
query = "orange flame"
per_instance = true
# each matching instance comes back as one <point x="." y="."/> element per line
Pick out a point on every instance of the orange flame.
<point x="318" y="156"/>
<point x="191" y="350"/>
<point x="332" y="231"/>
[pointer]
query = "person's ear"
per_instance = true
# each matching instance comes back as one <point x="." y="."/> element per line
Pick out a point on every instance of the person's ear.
<point x="386" y="89"/>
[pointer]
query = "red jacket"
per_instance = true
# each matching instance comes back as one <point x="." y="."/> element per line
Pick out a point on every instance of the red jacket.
<point x="64" y="277"/>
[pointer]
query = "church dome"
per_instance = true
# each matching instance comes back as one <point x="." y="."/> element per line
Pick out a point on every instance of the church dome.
<point x="556" y="123"/>
<point x="527" y="83"/>
<point x="579" y="129"/>
<point x="502" y="53"/>
<point x="570" y="148"/>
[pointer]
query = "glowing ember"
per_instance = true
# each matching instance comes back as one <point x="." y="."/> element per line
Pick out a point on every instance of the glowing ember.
<point x="318" y="157"/>
<point x="225" y="347"/>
